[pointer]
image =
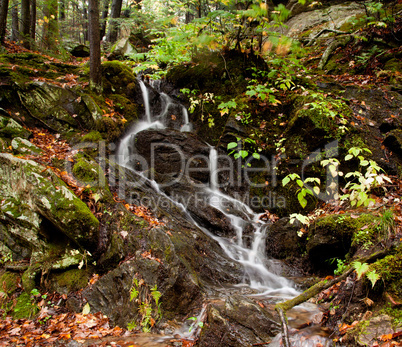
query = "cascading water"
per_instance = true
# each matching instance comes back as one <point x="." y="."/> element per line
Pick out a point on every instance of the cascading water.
<point x="145" y="96"/>
<point x="253" y="259"/>
<point x="186" y="127"/>
<point x="258" y="276"/>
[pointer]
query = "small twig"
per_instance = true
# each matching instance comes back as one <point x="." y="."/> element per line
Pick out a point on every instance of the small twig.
<point x="284" y="326"/>
<point x="226" y="68"/>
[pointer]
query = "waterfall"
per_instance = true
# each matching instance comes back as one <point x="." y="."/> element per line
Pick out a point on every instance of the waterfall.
<point x="125" y="152"/>
<point x="186" y="127"/>
<point x="253" y="259"/>
<point x="145" y="96"/>
<point x="213" y="168"/>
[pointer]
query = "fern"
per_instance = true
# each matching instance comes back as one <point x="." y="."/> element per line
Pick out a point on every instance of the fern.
<point x="134" y="291"/>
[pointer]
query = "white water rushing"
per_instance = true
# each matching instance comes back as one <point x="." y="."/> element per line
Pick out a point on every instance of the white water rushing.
<point x="251" y="257"/>
<point x="145" y="96"/>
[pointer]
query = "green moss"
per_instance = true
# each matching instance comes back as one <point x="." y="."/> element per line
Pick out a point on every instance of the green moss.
<point x="25" y="307"/>
<point x="390" y="271"/>
<point x="9" y="282"/>
<point x="109" y="128"/>
<point x="117" y="78"/>
<point x="125" y="107"/>
<point x="93" y="136"/>
<point x="71" y="280"/>
<point x="86" y="171"/>
<point x="393" y="64"/>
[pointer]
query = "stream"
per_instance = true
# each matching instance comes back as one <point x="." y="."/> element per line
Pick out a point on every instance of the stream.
<point x="261" y="275"/>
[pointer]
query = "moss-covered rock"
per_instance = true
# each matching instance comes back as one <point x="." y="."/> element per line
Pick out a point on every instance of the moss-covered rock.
<point x="69" y="281"/>
<point x="25" y="307"/>
<point x="60" y="109"/>
<point x="110" y="129"/>
<point x="93" y="136"/>
<point x="9" y="128"/>
<point x="125" y="107"/>
<point x="390" y="271"/>
<point x="36" y="202"/>
<point x="118" y="78"/>
<point x="22" y="146"/>
<point x="89" y="173"/>
<point x="332" y="236"/>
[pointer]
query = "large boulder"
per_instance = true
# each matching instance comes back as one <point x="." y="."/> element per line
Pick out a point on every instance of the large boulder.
<point x="60" y="109"/>
<point x="38" y="210"/>
<point x="238" y="321"/>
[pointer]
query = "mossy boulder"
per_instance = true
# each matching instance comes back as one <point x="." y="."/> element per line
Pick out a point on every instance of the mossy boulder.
<point x="9" y="129"/>
<point x="89" y="173"/>
<point x="126" y="107"/>
<point x="38" y="208"/>
<point x="58" y="108"/>
<point x="118" y="79"/>
<point x="92" y="136"/>
<point x="69" y="281"/>
<point x="25" y="307"/>
<point x="109" y="128"/>
<point x="390" y="271"/>
<point x="331" y="237"/>
<point x="22" y="146"/>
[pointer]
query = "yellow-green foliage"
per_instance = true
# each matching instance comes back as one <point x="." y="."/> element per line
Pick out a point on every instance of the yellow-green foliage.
<point x="390" y="271"/>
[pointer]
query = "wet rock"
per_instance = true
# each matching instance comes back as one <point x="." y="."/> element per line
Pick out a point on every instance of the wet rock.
<point x="377" y="326"/>
<point x="175" y="153"/>
<point x="394" y="142"/>
<point x="237" y="321"/>
<point x="283" y="241"/>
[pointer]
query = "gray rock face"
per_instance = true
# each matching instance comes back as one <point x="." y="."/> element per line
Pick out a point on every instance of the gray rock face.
<point x="326" y="18"/>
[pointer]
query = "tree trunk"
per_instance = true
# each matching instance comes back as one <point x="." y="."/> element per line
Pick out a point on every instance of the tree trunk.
<point x="105" y="13"/>
<point x="3" y="19"/>
<point x="25" y="23"/>
<point x="114" y="15"/>
<point x="15" y="32"/>
<point x="62" y="10"/>
<point x="32" y="26"/>
<point x="51" y="26"/>
<point x="94" y="46"/>
<point x="85" y="24"/>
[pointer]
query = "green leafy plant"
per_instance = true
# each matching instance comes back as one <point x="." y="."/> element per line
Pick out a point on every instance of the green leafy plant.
<point x="363" y="269"/>
<point x="238" y="150"/>
<point x="199" y="324"/>
<point x="340" y="267"/>
<point x="148" y="304"/>
<point x="361" y="182"/>
<point x="303" y="191"/>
